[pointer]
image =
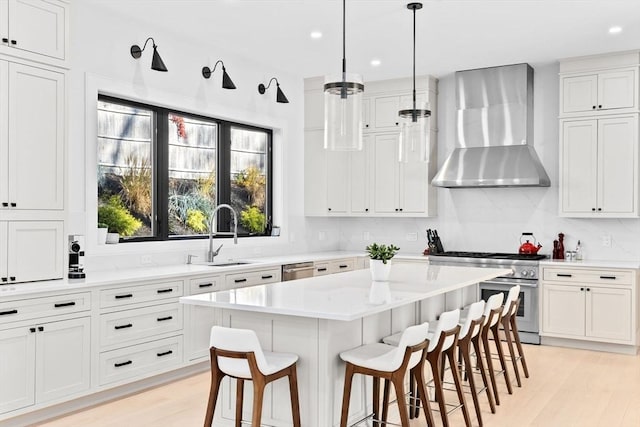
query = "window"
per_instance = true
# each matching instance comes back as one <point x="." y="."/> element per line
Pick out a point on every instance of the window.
<point x="162" y="172"/>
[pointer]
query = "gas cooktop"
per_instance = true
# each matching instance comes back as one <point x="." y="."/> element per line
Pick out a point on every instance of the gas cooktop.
<point x="491" y="255"/>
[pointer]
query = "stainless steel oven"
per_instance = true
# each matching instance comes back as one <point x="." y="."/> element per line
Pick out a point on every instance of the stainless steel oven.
<point x="299" y="270"/>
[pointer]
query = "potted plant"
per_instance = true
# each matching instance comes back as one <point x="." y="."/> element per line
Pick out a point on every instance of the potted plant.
<point x="102" y="233"/>
<point x="119" y="220"/>
<point x="379" y="256"/>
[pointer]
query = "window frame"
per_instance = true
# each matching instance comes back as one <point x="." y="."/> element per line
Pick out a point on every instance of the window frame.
<point x="160" y="171"/>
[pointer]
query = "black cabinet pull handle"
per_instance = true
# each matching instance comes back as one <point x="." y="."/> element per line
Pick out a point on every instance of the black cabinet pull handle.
<point x="599" y="106"/>
<point x="593" y="107"/>
<point x="5" y="204"/>
<point x="329" y="208"/>
<point x="343" y="266"/>
<point x="582" y="289"/>
<point x="4" y="279"/>
<point x="14" y="311"/>
<point x="13" y="204"/>
<point x="128" y="362"/>
<point x="322" y="269"/>
<point x="13" y="42"/>
<point x="608" y="277"/>
<point x="124" y="296"/>
<point x="40" y="328"/>
<point x="593" y="209"/>
<point x="5" y="40"/>
<point x="599" y="209"/>
<point x="32" y="330"/>
<point x="64" y="304"/>
<point x="366" y="210"/>
<point x="268" y="277"/>
<point x="12" y="278"/>
<point x="366" y="126"/>
<point x="240" y="280"/>
<point x="205" y="285"/>
<point x="162" y="319"/>
<point x="164" y="291"/>
<point x="164" y="353"/>
<point x="588" y="289"/>
<point x="128" y="325"/>
<point x="563" y="275"/>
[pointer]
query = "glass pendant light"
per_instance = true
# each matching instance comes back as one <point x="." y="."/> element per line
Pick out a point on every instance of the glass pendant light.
<point x="414" y="122"/>
<point x="343" y="106"/>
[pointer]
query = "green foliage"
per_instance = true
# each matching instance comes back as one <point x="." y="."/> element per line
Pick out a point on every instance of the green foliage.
<point x="136" y="185"/>
<point x="118" y="218"/>
<point x="103" y="225"/>
<point x="253" y="219"/>
<point x="255" y="183"/>
<point x="181" y="204"/>
<point x="381" y="252"/>
<point x="196" y="220"/>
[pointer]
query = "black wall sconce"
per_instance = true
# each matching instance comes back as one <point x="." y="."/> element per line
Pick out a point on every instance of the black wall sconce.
<point x="156" y="63"/>
<point x="226" y="80"/>
<point x="279" y="94"/>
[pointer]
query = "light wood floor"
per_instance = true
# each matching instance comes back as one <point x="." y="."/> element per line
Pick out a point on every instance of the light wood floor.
<point x="566" y="388"/>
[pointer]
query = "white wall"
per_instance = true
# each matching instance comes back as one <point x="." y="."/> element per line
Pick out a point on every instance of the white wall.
<point x="493" y="219"/>
<point x="100" y="42"/>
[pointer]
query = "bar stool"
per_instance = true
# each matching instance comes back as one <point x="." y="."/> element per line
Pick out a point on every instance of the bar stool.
<point x="389" y="363"/>
<point x="508" y="322"/>
<point x="237" y="353"/>
<point x="492" y="310"/>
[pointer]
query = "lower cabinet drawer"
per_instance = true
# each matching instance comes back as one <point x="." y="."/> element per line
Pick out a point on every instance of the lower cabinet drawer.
<point x="138" y="324"/>
<point x="342" y="265"/>
<point x="583" y="275"/>
<point x="251" y="278"/>
<point x="134" y="294"/>
<point x="25" y="309"/>
<point x="131" y="362"/>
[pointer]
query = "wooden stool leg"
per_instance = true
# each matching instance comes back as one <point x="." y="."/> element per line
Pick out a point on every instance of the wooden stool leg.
<point x="516" y="335"/>
<point x="465" y="349"/>
<point x="398" y="384"/>
<point x="293" y="390"/>
<point x="216" y="379"/>
<point x="492" y="373"/>
<point x="435" y="363"/>
<point x="418" y="374"/>
<point x="412" y="397"/>
<point x="346" y="394"/>
<point x="376" y="401"/>
<point x="512" y="353"/>
<point x="480" y="364"/>
<point x="503" y="365"/>
<point x="239" y="401"/>
<point x="385" y="407"/>
<point x="451" y="355"/>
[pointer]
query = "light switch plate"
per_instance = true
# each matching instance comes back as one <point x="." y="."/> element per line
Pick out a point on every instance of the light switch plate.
<point x="412" y="237"/>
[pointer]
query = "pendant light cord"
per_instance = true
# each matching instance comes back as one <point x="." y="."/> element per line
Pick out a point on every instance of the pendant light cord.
<point x="414" y="114"/>
<point x="343" y="89"/>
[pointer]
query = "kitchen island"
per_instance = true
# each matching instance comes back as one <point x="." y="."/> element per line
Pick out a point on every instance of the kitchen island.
<point x="317" y="318"/>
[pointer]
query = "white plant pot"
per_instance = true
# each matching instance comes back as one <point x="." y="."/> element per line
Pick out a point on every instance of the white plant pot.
<point x="379" y="293"/>
<point x="102" y="236"/>
<point x="113" y="238"/>
<point x="379" y="271"/>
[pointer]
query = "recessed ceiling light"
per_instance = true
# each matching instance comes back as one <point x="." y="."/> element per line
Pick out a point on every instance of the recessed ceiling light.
<point x="615" y="30"/>
<point x="316" y="35"/>
<point x="375" y="62"/>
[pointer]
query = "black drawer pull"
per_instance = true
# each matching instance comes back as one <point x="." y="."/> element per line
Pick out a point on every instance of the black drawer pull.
<point x="5" y="204"/>
<point x="240" y="280"/>
<point x="124" y="296"/>
<point x="162" y="319"/>
<point x="64" y="304"/>
<point x="322" y="269"/>
<point x="608" y="277"/>
<point x="40" y="328"/>
<point x="128" y="362"/>
<point x="164" y="353"/>
<point x="164" y="291"/>
<point x="32" y="330"/>
<point x="563" y="275"/>
<point x="12" y="278"/>
<point x="582" y="289"/>
<point x="13" y="42"/>
<point x="270" y="276"/>
<point x="13" y="204"/>
<point x="5" y="40"/>
<point x="2" y="313"/>
<point x="4" y="279"/>
<point x="344" y="266"/>
<point x="205" y="285"/>
<point x="128" y="325"/>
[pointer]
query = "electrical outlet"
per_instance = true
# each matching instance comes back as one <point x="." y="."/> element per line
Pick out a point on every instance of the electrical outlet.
<point x="321" y="235"/>
<point x="146" y="259"/>
<point x="606" y="240"/>
<point x="366" y="236"/>
<point x="412" y="237"/>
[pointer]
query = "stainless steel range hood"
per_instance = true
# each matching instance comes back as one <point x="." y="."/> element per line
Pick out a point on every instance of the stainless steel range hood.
<point x="494" y="131"/>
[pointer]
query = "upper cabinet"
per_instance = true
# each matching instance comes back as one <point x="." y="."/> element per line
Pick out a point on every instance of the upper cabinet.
<point x="599" y="153"/>
<point x="35" y="29"/>
<point x="371" y="182"/>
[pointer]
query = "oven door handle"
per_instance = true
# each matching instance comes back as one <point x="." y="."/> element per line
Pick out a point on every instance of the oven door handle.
<point x="511" y="282"/>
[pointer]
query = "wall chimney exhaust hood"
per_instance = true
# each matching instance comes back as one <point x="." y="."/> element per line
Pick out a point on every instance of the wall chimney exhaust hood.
<point x="494" y="130"/>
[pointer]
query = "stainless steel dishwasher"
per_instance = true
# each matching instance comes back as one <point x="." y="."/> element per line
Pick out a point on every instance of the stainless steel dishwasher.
<point x="298" y="270"/>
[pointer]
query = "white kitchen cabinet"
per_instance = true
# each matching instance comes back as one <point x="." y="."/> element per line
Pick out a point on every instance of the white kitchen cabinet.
<point x="253" y="277"/>
<point x="599" y="167"/>
<point x="31" y="250"/>
<point x="594" y="92"/>
<point x="589" y="304"/>
<point x="348" y="181"/>
<point x="35" y="30"/>
<point x="43" y="362"/>
<point x="199" y="320"/>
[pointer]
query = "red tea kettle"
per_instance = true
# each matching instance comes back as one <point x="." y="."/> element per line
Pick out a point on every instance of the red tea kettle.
<point x="528" y="248"/>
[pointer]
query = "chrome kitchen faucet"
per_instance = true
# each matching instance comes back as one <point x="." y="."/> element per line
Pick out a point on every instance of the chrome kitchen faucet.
<point x="211" y="254"/>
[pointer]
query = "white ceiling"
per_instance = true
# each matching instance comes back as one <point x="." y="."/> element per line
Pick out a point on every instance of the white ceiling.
<point x="452" y="34"/>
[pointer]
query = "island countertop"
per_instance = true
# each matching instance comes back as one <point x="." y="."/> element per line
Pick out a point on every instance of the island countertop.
<point x="348" y="296"/>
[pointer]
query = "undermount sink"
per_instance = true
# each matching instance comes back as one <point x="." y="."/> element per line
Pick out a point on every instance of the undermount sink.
<point x="228" y="264"/>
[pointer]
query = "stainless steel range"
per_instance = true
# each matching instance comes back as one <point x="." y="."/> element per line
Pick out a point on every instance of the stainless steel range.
<point x="525" y="274"/>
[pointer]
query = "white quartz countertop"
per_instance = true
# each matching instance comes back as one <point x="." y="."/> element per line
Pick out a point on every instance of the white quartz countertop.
<point x="348" y="296"/>
<point x="591" y="263"/>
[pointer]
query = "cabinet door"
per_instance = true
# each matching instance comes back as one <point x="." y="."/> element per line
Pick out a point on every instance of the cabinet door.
<point x="579" y="93"/>
<point x="616" y="90"/>
<point x="337" y="181"/>
<point x="314" y="109"/>
<point x="386" y="176"/>
<point x="366" y="114"/>
<point x="4" y="131"/>
<point x="579" y="166"/>
<point x="199" y="320"/>
<point x="385" y="112"/>
<point x="617" y="165"/>
<point x="36" y="137"/>
<point x="315" y="170"/>
<point x="17" y="368"/>
<point x="414" y="185"/>
<point x="359" y="177"/>
<point x="35" y="250"/>
<point x="563" y="311"/>
<point x="38" y="26"/>
<point x="4" y="273"/>
<point x="609" y="314"/>
<point x="62" y="358"/>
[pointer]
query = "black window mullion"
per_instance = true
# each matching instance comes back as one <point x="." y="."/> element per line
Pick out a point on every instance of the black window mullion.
<point x="223" y="189"/>
<point x="161" y="168"/>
